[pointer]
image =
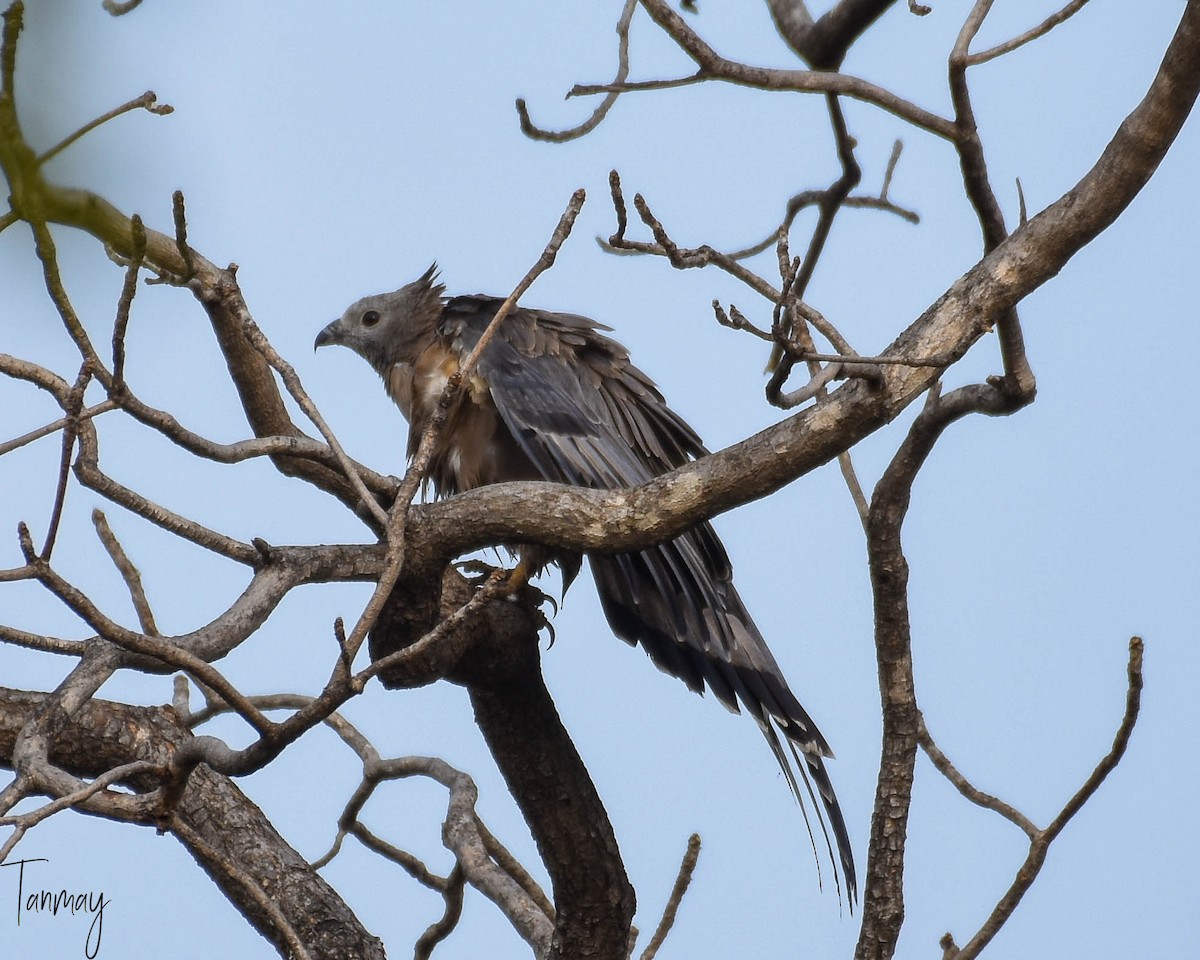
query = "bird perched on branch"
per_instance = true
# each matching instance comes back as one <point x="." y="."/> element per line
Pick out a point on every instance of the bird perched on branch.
<point x="552" y="398"/>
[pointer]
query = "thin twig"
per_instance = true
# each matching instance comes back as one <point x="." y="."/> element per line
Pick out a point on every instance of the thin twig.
<point x="1033" y="33"/>
<point x="562" y="136"/>
<point x="965" y="787"/>
<point x="680" y="258"/>
<point x="125" y="302"/>
<point x="714" y="66"/>
<point x="14" y="20"/>
<point x="147" y="101"/>
<point x="129" y="573"/>
<point x="179" y="215"/>
<point x="74" y="403"/>
<point x="25" y="821"/>
<point x="1040" y="845"/>
<point x="684" y="878"/>
<point x="635" y="86"/>
<point x="830" y="204"/>
<point x="104" y="406"/>
<point x="291" y="380"/>
<point x="1018" y="380"/>
<point x="160" y="649"/>
<point x="47" y="253"/>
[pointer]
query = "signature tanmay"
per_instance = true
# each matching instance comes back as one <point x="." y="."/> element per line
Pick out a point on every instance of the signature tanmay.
<point x="31" y="900"/>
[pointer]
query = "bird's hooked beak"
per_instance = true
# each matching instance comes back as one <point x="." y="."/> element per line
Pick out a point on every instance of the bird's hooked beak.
<point x="331" y="334"/>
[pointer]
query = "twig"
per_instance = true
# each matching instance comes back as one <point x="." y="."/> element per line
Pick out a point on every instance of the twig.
<point x="635" y="86"/>
<point x="129" y="573"/>
<point x="716" y="67"/>
<point x="179" y="215"/>
<point x="438" y="931"/>
<point x="494" y="588"/>
<point x="680" y="258"/>
<point x="1042" y="839"/>
<point x="561" y="136"/>
<point x="125" y="303"/>
<point x="14" y="21"/>
<point x="48" y="255"/>
<point x="1018" y="380"/>
<point x="103" y="406"/>
<point x="25" y="821"/>
<point x="147" y="101"/>
<point x="830" y="204"/>
<point x="83" y="607"/>
<point x="682" y="881"/>
<point x="88" y="471"/>
<point x="291" y="380"/>
<point x="1033" y="33"/>
<point x="74" y="403"/>
<point x="514" y="868"/>
<point x="43" y="644"/>
<point x="411" y="864"/>
<point x="965" y="787"/>
<point x="889" y="172"/>
<point x="811" y="198"/>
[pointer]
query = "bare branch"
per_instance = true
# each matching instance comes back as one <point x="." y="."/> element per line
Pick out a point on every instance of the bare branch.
<point x="125" y="303"/>
<point x="965" y="787"/>
<point x="291" y="380"/>
<point x="74" y="402"/>
<point x="24" y="822"/>
<point x="443" y="927"/>
<point x="680" y="258"/>
<point x="129" y="573"/>
<point x="10" y="445"/>
<point x="1033" y="33"/>
<point x="830" y="205"/>
<point x="1041" y="840"/>
<point x="1018" y="374"/>
<point x="562" y="136"/>
<point x="14" y="21"/>
<point x="148" y="101"/>
<point x="682" y="881"/>
<point x="713" y="65"/>
<point x="43" y="644"/>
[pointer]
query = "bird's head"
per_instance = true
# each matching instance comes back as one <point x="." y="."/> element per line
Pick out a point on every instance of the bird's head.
<point x="389" y="328"/>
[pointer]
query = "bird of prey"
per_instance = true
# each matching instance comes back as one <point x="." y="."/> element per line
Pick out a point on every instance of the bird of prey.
<point x="553" y="398"/>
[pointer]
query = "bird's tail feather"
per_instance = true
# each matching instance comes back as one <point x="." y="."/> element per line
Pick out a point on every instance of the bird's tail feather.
<point x="678" y="601"/>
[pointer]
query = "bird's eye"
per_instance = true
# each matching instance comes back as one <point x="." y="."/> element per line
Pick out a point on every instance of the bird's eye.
<point x="370" y="318"/>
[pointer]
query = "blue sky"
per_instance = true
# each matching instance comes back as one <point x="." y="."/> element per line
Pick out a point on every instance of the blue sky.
<point x="337" y="154"/>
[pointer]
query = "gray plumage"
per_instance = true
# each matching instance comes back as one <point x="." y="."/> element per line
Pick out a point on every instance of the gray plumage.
<point x="553" y="398"/>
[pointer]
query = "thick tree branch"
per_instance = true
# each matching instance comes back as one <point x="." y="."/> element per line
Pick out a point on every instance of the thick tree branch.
<point x="227" y="834"/>
<point x="1038" y="250"/>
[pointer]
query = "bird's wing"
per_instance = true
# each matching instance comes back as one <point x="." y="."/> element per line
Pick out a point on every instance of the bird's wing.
<point x="585" y="416"/>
